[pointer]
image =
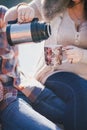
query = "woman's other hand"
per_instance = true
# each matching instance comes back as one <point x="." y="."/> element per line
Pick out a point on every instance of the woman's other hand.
<point x="73" y="54"/>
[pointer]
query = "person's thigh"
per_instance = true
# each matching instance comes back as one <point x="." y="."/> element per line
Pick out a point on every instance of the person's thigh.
<point x="20" y="116"/>
<point x="64" y="84"/>
<point x="72" y="89"/>
<point x="49" y="105"/>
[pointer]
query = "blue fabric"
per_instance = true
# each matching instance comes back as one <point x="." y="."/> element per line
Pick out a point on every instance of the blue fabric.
<point x="19" y="115"/>
<point x="72" y="89"/>
<point x="63" y="100"/>
<point x="23" y="115"/>
<point x="49" y="105"/>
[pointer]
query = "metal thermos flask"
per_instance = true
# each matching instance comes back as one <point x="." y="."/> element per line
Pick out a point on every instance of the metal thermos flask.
<point x="33" y="31"/>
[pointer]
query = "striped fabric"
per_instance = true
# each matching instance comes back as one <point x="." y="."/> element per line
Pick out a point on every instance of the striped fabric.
<point x="10" y="79"/>
<point x="8" y="64"/>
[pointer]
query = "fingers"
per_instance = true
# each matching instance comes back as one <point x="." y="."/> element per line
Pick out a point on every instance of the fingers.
<point x="70" y="55"/>
<point x="73" y="54"/>
<point x="25" y="14"/>
<point x="57" y="55"/>
<point x="68" y="48"/>
<point x="70" y="60"/>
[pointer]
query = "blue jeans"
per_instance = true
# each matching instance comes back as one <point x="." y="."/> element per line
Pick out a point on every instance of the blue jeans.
<point x="72" y="89"/>
<point x="50" y="106"/>
<point x="21" y="116"/>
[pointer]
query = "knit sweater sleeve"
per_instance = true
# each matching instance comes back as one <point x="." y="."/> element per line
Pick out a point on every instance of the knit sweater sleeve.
<point x="37" y="6"/>
<point x="84" y="57"/>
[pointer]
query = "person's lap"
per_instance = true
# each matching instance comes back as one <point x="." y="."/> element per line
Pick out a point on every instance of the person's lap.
<point x="21" y="116"/>
<point x="72" y="89"/>
<point x="49" y="105"/>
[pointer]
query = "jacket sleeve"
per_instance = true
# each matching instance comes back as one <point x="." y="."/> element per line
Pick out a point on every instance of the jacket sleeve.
<point x="37" y="6"/>
<point x="1" y="92"/>
<point x="84" y="57"/>
<point x="11" y="14"/>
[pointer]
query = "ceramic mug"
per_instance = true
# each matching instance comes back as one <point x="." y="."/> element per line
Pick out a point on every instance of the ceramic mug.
<point x="54" y="55"/>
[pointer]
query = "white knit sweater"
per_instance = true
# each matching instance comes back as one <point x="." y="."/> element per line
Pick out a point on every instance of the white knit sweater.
<point x="64" y="33"/>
